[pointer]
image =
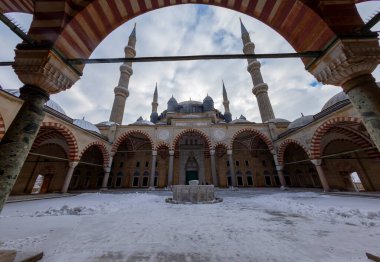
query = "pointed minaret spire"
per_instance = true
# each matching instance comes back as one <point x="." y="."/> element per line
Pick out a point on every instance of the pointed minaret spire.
<point x="226" y="104"/>
<point x="121" y="91"/>
<point x="244" y="33"/>
<point x="154" y="114"/>
<point x="260" y="89"/>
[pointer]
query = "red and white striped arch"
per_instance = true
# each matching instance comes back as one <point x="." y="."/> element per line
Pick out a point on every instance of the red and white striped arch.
<point x="254" y="132"/>
<point x="66" y="133"/>
<point x="125" y="136"/>
<point x="19" y="6"/>
<point x="284" y="145"/>
<point x="296" y="21"/>
<point x="2" y="127"/>
<point x="102" y="148"/>
<point x="315" y="147"/>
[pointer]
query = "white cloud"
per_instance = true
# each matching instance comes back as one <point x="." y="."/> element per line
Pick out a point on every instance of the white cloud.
<point x="187" y="30"/>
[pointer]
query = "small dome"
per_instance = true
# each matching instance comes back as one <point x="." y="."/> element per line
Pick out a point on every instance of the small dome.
<point x="341" y="96"/>
<point x="241" y="120"/>
<point x="50" y="103"/>
<point x="53" y="105"/>
<point x="86" y="125"/>
<point x="141" y="122"/>
<point x="172" y="104"/>
<point x="277" y="120"/>
<point x="107" y="123"/>
<point x="208" y="104"/>
<point x="302" y="121"/>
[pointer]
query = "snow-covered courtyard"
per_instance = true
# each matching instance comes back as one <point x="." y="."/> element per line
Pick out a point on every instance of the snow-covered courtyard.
<point x="249" y="225"/>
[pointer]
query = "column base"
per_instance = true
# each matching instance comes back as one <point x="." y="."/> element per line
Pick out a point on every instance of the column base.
<point x="151" y="188"/>
<point x="284" y="188"/>
<point x="103" y="189"/>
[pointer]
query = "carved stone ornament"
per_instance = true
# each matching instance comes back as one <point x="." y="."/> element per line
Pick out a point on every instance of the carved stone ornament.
<point x="346" y="59"/>
<point x="44" y="69"/>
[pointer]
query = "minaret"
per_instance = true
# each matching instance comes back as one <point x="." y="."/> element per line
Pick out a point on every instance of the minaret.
<point x="154" y="115"/>
<point x="121" y="91"/>
<point x="260" y="89"/>
<point x="226" y="103"/>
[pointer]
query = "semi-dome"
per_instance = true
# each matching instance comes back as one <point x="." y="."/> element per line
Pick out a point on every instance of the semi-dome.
<point x="86" y="125"/>
<point x="141" y="122"/>
<point x="208" y="104"/>
<point x="302" y="121"/>
<point x="50" y="103"/>
<point x="172" y="104"/>
<point x="341" y="96"/>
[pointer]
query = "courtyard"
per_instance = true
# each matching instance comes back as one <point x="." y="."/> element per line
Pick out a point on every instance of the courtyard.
<point x="249" y="225"/>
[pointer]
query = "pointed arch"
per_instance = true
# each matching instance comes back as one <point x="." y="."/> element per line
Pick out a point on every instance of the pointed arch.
<point x="2" y="127"/>
<point x="192" y="130"/>
<point x="257" y="133"/>
<point x="284" y="145"/>
<point x="315" y="147"/>
<point x="71" y="141"/>
<point x="19" y="6"/>
<point x="125" y="135"/>
<point x="102" y="148"/>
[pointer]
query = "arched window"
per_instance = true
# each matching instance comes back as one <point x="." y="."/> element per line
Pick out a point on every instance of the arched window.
<point x="119" y="179"/>
<point x="145" y="181"/>
<point x="136" y="179"/>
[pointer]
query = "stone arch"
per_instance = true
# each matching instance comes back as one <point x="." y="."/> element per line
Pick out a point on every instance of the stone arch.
<point x="103" y="149"/>
<point x="66" y="133"/>
<point x="220" y="144"/>
<point x="20" y="6"/>
<point x="266" y="140"/>
<point x="2" y="127"/>
<point x="83" y="32"/>
<point x="315" y="147"/>
<point x="162" y="145"/>
<point x="192" y="130"/>
<point x="123" y="136"/>
<point x="284" y="145"/>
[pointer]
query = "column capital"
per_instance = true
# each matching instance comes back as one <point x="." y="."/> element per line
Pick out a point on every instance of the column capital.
<point x="346" y="59"/>
<point x="316" y="162"/>
<point x="171" y="152"/>
<point x="44" y="69"/>
<point x="212" y="152"/>
<point x="154" y="153"/>
<point x="107" y="169"/>
<point x="279" y="168"/>
<point x="229" y="152"/>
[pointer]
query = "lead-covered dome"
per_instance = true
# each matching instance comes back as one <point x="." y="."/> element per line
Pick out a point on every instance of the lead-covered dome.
<point x="50" y="103"/>
<point x="208" y="104"/>
<point x="241" y="120"/>
<point x="107" y="123"/>
<point x="172" y="104"/>
<point x="277" y="120"/>
<point x="341" y="96"/>
<point x="141" y="122"/>
<point x="302" y="121"/>
<point x="86" y="125"/>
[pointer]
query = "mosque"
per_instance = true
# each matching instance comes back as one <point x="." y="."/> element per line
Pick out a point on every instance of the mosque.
<point x="331" y="149"/>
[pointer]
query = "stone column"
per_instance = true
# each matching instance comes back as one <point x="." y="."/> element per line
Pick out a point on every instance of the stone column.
<point x="317" y="163"/>
<point x="364" y="95"/>
<point x="170" y="172"/>
<point x="19" y="138"/>
<point x="349" y="63"/>
<point x="231" y="160"/>
<point x="107" y="171"/>
<point x="153" y="169"/>
<point x="279" y="169"/>
<point x="281" y="176"/>
<point x="213" y="168"/>
<point x="68" y="177"/>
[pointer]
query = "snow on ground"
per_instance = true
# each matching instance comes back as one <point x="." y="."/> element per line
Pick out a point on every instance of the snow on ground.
<point x="249" y="225"/>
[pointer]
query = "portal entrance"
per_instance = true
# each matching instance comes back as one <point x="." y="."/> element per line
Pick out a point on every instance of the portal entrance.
<point x="191" y="175"/>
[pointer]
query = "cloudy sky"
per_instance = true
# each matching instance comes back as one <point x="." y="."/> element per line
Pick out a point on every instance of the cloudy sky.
<point x="187" y="30"/>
